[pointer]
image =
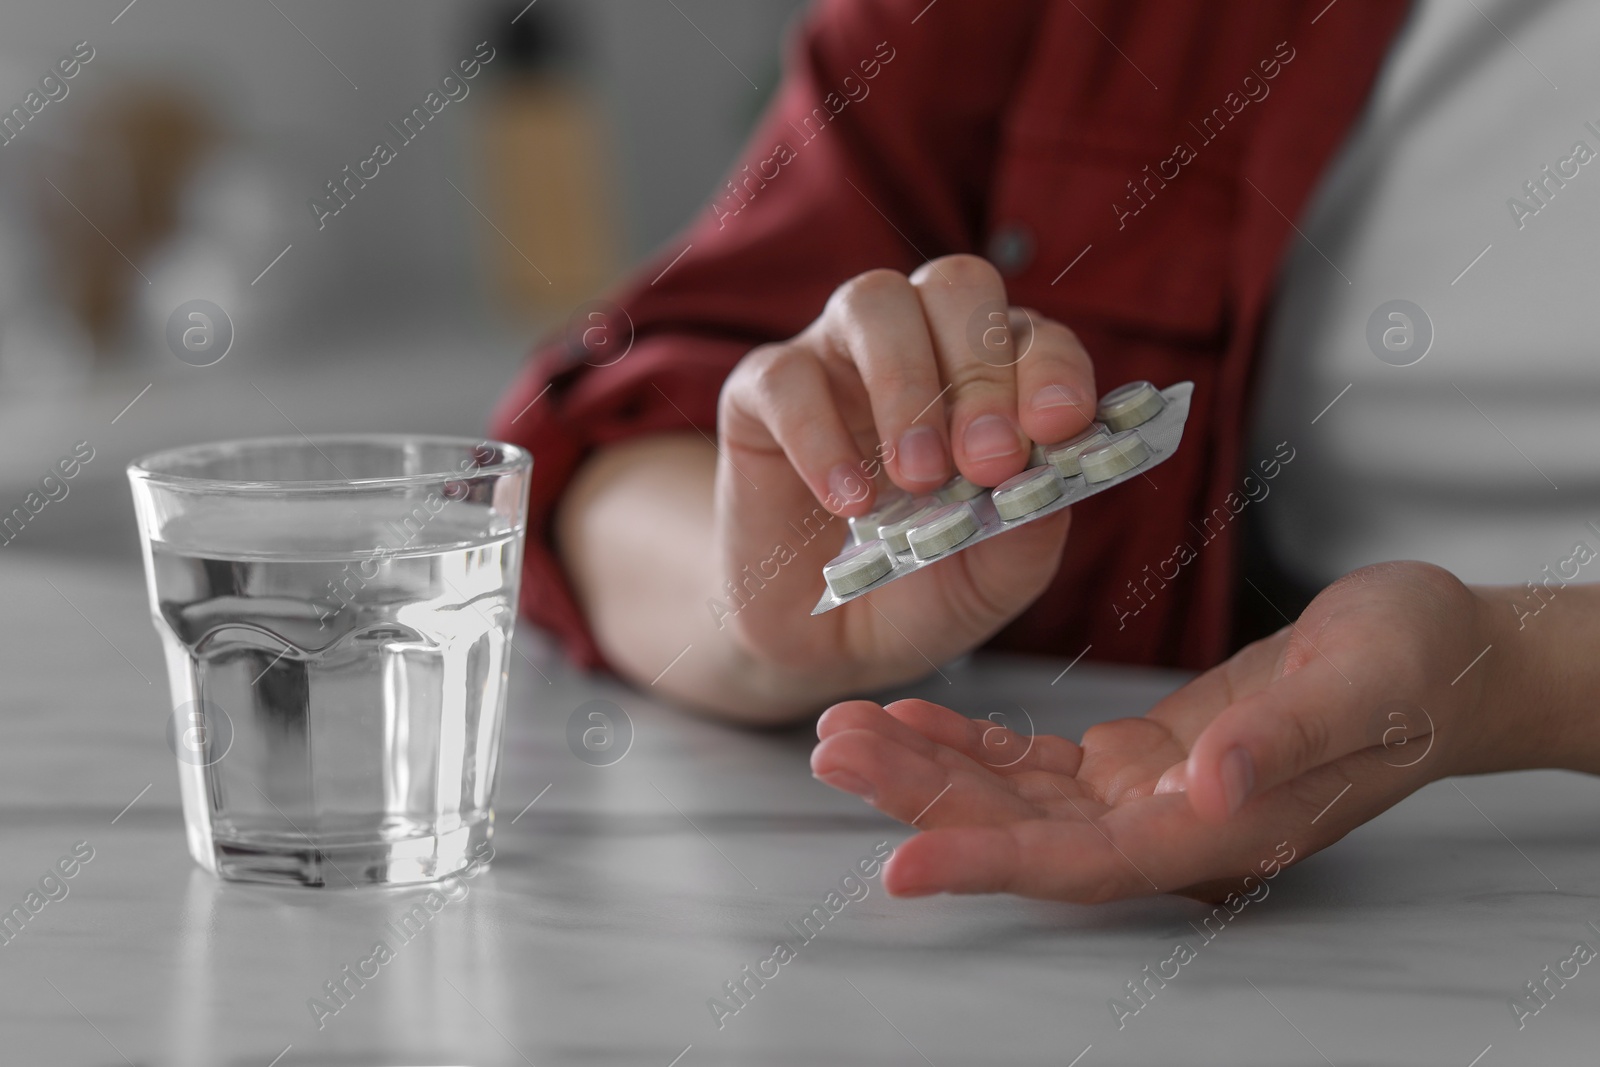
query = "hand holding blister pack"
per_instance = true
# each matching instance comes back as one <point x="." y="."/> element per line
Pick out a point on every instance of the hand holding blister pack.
<point x="1137" y="427"/>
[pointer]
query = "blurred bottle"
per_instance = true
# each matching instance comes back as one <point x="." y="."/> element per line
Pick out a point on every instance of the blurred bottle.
<point x="117" y="188"/>
<point x="42" y="343"/>
<point x="544" y="152"/>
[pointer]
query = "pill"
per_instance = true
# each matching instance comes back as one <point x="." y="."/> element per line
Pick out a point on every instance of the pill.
<point x="858" y="566"/>
<point x="1130" y="405"/>
<point x="957" y="489"/>
<point x="894" y="533"/>
<point x="1064" y="456"/>
<point x="1122" y="453"/>
<point x="1026" y="492"/>
<point x="866" y="527"/>
<point x="943" y="530"/>
<point x="909" y="531"/>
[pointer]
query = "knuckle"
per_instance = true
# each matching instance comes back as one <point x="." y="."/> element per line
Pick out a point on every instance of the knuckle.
<point x="865" y="290"/>
<point x="744" y="372"/>
<point x="775" y="368"/>
<point x="964" y="271"/>
<point x="1057" y="339"/>
<point x="903" y="379"/>
<point x="1056" y="342"/>
<point x="728" y="396"/>
<point x="756" y="378"/>
<point x="1305" y="742"/>
<point x="973" y="380"/>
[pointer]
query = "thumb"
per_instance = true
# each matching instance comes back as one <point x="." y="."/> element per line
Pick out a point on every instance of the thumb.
<point x="1298" y="723"/>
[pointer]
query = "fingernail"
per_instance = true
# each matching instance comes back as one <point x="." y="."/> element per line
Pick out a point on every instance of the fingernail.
<point x="1174" y="781"/>
<point x="991" y="437"/>
<point x="849" y="783"/>
<point x="846" y="486"/>
<point x="1238" y="777"/>
<point x="1058" y="396"/>
<point x="922" y="456"/>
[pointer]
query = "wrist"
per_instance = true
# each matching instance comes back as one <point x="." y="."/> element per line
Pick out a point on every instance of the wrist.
<point x="1535" y="702"/>
<point x="1503" y="737"/>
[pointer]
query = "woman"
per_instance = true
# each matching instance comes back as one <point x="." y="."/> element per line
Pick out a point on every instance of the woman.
<point x="1107" y="187"/>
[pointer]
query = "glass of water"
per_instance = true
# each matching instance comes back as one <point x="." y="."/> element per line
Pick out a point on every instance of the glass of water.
<point x="337" y="616"/>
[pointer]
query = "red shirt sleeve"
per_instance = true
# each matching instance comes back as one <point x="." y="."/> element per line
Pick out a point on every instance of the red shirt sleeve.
<point x="876" y="152"/>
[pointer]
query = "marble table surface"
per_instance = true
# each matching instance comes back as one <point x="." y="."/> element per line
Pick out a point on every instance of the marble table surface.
<point x="623" y="897"/>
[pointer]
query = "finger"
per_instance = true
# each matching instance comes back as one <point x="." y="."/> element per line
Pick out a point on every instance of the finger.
<point x="1157" y="844"/>
<point x="781" y="392"/>
<point x="985" y="741"/>
<point x="1300" y="722"/>
<point x="960" y="744"/>
<point x="1055" y="378"/>
<point x="1048" y="859"/>
<point x="1187" y="711"/>
<point x="914" y="788"/>
<point x="1123" y="759"/>
<point x="964" y="303"/>
<point x="865" y="715"/>
<point x="875" y="322"/>
<point x="1153" y="846"/>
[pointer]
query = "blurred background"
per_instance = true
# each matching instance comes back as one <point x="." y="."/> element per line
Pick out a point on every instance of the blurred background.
<point x="167" y="151"/>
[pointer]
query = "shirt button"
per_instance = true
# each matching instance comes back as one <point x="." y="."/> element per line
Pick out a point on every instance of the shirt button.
<point x="1011" y="249"/>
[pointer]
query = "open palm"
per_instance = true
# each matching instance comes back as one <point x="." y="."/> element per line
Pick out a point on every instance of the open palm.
<point x="1339" y="714"/>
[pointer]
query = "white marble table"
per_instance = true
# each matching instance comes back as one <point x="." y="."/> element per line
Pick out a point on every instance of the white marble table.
<point x="625" y="896"/>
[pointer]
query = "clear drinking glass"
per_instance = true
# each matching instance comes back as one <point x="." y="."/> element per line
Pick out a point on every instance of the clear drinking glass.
<point x="337" y="616"/>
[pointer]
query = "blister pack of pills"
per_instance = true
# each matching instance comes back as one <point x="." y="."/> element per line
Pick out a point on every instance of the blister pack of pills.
<point x="1137" y="426"/>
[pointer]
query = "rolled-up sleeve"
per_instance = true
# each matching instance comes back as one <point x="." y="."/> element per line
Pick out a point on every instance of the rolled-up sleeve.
<point x="876" y="152"/>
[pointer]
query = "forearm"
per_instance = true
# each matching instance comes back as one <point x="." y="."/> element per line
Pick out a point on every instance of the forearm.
<point x="634" y="531"/>
<point x="1543" y="685"/>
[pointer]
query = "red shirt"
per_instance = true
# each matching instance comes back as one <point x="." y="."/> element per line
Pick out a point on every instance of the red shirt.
<point x="1132" y="166"/>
